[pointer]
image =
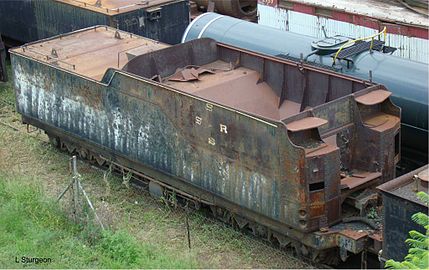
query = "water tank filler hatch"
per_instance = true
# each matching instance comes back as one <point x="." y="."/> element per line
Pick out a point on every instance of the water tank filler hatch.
<point x="330" y="44"/>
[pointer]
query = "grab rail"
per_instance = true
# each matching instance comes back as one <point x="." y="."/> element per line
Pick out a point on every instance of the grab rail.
<point x="384" y="31"/>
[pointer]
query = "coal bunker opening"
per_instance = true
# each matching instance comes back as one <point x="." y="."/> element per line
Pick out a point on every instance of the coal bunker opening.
<point x="268" y="88"/>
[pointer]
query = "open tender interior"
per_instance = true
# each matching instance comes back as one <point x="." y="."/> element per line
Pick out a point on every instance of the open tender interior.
<point x="261" y="86"/>
<point x="268" y="88"/>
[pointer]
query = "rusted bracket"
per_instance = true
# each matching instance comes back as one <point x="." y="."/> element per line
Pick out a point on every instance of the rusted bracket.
<point x="351" y="241"/>
<point x="54" y="53"/>
<point x="31" y="130"/>
<point x="117" y="35"/>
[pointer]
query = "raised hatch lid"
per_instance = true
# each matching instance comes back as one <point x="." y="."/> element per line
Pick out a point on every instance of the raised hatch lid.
<point x="306" y="123"/>
<point x="373" y="97"/>
<point x="358" y="178"/>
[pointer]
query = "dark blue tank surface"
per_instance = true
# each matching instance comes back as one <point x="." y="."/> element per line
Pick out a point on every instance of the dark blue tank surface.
<point x="407" y="80"/>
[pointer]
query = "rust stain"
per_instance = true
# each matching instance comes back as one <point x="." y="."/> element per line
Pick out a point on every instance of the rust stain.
<point x="353" y="234"/>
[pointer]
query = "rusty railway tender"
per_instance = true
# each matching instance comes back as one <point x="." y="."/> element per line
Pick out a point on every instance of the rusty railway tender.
<point x="289" y="151"/>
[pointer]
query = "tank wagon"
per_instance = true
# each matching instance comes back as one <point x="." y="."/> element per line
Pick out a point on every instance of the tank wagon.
<point x="29" y="20"/>
<point x="406" y="29"/>
<point x="399" y="204"/>
<point x="407" y="79"/>
<point x="275" y="146"/>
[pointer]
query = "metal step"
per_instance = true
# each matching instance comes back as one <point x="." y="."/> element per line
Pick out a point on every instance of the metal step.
<point x="360" y="47"/>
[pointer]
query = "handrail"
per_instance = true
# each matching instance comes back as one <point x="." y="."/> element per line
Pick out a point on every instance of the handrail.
<point x="384" y="31"/>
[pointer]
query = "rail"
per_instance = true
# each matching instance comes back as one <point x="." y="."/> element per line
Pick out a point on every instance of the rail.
<point x="384" y="31"/>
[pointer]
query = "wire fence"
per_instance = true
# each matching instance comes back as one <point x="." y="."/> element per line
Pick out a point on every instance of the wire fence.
<point x="183" y="229"/>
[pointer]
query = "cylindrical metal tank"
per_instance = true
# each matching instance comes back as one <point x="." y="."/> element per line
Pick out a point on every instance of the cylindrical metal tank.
<point x="247" y="35"/>
<point x="408" y="80"/>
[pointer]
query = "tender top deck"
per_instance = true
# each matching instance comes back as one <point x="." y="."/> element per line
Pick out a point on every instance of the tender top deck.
<point x="89" y="52"/>
<point x="406" y="186"/>
<point x="114" y="7"/>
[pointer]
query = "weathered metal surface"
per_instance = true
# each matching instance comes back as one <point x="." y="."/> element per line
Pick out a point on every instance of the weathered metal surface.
<point x="375" y="97"/>
<point x="407" y="80"/>
<point x="105" y="47"/>
<point x="423" y="178"/>
<point x="235" y="157"/>
<point x="357" y="179"/>
<point x="30" y="20"/>
<point x="110" y="7"/>
<point x="3" y="71"/>
<point x="399" y="204"/>
<point x="306" y="123"/>
<point x="234" y="8"/>
<point x="410" y="44"/>
<point x="392" y="14"/>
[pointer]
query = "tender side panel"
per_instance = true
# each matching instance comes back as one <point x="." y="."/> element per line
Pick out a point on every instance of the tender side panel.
<point x="397" y="224"/>
<point x="227" y="153"/>
<point x="18" y="20"/>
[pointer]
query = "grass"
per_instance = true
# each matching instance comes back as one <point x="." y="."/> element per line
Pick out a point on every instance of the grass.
<point x="157" y="233"/>
<point x="32" y="225"/>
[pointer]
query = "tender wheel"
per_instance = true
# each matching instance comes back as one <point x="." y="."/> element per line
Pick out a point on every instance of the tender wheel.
<point x="83" y="153"/>
<point x="54" y="141"/>
<point x="100" y="161"/>
<point x="70" y="148"/>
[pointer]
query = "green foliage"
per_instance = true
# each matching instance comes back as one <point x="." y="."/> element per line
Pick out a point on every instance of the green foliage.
<point x="372" y="213"/>
<point x="418" y="254"/>
<point x="120" y="247"/>
<point x="423" y="196"/>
